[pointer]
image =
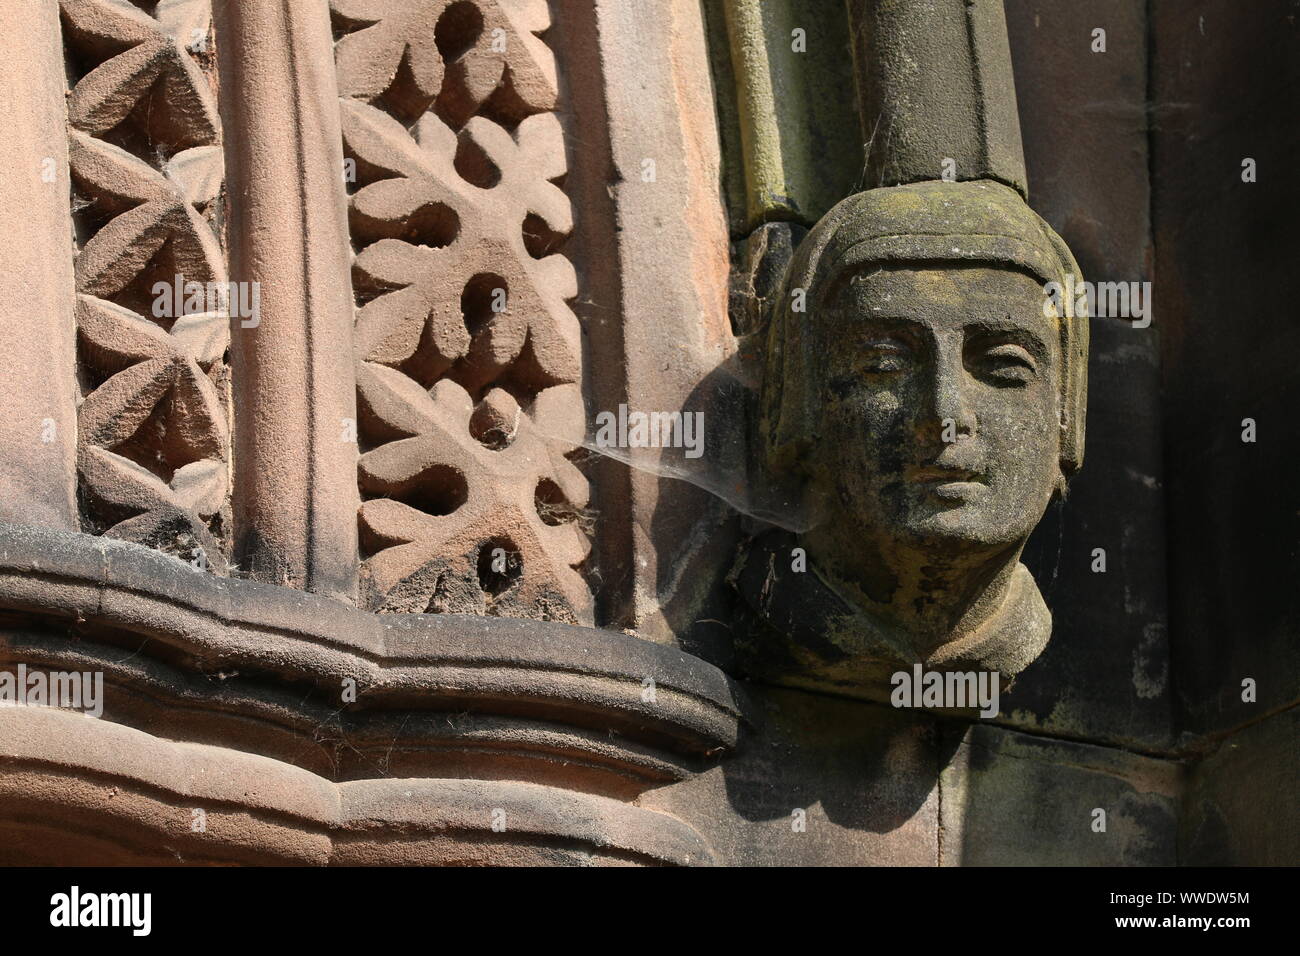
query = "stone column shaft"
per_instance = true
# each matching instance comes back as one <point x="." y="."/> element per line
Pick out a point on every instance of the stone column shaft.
<point x="937" y="92"/>
<point x="295" y="499"/>
<point x="38" y="430"/>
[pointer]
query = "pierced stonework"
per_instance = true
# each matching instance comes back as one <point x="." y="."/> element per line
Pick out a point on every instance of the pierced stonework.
<point x="469" y="356"/>
<point x="147" y="175"/>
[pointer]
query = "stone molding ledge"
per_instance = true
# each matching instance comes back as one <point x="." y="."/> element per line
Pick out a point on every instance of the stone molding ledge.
<point x="75" y="788"/>
<point x="239" y="665"/>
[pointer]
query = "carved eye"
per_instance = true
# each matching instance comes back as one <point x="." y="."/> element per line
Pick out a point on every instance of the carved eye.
<point x="885" y="355"/>
<point x="1008" y="364"/>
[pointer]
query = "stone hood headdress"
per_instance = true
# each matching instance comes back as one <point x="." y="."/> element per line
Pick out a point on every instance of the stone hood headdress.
<point x="936" y="222"/>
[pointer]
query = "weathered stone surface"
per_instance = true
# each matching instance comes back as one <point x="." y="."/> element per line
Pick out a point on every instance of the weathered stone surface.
<point x="929" y="405"/>
<point x="786" y="107"/>
<point x="1011" y="799"/>
<point x="493" y="522"/>
<point x="937" y="93"/>
<point x="652" y="251"/>
<point x="1097" y="198"/>
<point x="38" y="439"/>
<point x="759" y="262"/>
<point x="146" y="167"/>
<point x="455" y="152"/>
<point x="819" y="782"/>
<point x="1105" y="675"/>
<point x="308" y="729"/>
<point x="1239" y="808"/>
<point x="475" y="225"/>
<point x="438" y="662"/>
<point x="295" y="405"/>
<point x="131" y="799"/>
<point x="1223" y="265"/>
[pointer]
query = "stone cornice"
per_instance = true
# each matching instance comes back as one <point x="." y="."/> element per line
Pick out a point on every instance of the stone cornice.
<point x="261" y="667"/>
<point x="118" y="796"/>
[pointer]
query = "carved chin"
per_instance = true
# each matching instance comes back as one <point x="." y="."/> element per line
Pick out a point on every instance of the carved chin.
<point x="937" y="515"/>
<point x="947" y="535"/>
<point x="976" y="520"/>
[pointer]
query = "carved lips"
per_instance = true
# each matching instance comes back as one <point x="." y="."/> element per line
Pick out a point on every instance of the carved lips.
<point x="948" y="482"/>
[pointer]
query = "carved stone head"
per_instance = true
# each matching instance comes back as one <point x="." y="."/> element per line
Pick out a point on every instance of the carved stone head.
<point x="931" y="404"/>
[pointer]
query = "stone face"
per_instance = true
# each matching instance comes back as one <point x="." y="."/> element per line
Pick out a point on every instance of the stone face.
<point x="873" y="358"/>
<point x="923" y="390"/>
<point x="317" y="312"/>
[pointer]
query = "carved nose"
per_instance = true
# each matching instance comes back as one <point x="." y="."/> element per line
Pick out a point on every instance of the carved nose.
<point x="949" y="416"/>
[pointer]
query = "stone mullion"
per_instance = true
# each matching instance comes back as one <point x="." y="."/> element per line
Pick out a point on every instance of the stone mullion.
<point x="296" y="497"/>
<point x="38" y="434"/>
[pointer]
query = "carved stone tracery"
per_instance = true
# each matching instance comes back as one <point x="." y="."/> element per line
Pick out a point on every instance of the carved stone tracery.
<point x="147" y="170"/>
<point x="469" y="357"/>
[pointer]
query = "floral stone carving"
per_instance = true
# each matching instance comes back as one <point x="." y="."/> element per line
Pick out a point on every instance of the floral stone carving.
<point x="146" y="163"/>
<point x="469" y="357"/>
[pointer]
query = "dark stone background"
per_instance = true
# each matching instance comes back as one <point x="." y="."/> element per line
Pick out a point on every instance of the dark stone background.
<point x="1083" y="116"/>
<point x="1135" y="156"/>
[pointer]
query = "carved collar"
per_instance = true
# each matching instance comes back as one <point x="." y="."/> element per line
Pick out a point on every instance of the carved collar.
<point x="799" y="629"/>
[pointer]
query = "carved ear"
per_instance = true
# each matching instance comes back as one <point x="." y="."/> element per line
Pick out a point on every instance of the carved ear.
<point x="1074" y="366"/>
<point x="787" y="416"/>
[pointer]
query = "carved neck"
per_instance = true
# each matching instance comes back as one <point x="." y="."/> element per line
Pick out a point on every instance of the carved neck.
<point x="930" y="598"/>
